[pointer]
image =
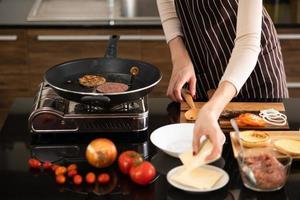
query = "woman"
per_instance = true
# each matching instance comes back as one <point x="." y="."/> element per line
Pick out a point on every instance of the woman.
<point x="226" y="45"/>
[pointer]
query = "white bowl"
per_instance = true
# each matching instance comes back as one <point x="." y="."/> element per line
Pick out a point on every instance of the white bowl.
<point x="173" y="139"/>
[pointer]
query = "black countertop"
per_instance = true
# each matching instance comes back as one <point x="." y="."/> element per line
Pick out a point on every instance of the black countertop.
<point x="19" y="182"/>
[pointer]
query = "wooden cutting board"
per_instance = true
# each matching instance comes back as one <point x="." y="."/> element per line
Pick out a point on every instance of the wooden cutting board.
<point x="274" y="135"/>
<point x="240" y="107"/>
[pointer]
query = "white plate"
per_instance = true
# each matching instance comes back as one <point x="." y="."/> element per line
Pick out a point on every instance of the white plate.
<point x="221" y="183"/>
<point x="173" y="139"/>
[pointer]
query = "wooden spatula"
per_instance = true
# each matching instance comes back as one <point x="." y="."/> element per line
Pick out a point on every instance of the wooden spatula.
<point x="192" y="113"/>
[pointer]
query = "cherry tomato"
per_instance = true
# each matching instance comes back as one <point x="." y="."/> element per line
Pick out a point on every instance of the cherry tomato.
<point x="126" y="159"/>
<point x="72" y="173"/>
<point x="60" y="170"/>
<point x="54" y="167"/>
<point x="60" y="179"/>
<point x="142" y="173"/>
<point x="103" y="178"/>
<point x="47" y="165"/>
<point x="71" y="167"/>
<point x="90" y="178"/>
<point x="77" y="179"/>
<point x="34" y="163"/>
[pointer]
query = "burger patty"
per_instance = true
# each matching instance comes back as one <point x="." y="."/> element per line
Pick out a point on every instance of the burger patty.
<point x="112" y="87"/>
<point x="91" y="80"/>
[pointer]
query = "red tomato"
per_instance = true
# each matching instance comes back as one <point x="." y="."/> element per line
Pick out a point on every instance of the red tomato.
<point x="47" y="165"/>
<point x="142" y="173"/>
<point x="72" y="167"/>
<point x="34" y="163"/>
<point x="101" y="153"/>
<point x="103" y="178"/>
<point x="127" y="159"/>
<point x="77" y="179"/>
<point x="60" y="170"/>
<point x="54" y="167"/>
<point x="72" y="173"/>
<point x="252" y="120"/>
<point x="60" y="179"/>
<point x="90" y="178"/>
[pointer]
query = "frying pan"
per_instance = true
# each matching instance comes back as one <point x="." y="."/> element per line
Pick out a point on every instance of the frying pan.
<point x="63" y="78"/>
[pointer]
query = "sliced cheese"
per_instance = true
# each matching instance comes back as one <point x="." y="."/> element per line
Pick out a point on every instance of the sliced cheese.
<point x="288" y="146"/>
<point x="192" y="162"/>
<point x="200" y="178"/>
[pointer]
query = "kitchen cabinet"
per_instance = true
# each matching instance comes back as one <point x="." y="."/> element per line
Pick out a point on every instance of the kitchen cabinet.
<point x="290" y="46"/>
<point x="14" y="77"/>
<point x="157" y="52"/>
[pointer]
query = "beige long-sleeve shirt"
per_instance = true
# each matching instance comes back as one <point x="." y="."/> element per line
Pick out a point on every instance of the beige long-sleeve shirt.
<point x="247" y="42"/>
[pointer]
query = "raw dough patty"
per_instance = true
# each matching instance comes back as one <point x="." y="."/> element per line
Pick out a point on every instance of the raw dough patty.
<point x="112" y="87"/>
<point x="91" y="80"/>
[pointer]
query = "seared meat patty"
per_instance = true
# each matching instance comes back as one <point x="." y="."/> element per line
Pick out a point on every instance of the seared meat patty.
<point x="112" y="87"/>
<point x="91" y="80"/>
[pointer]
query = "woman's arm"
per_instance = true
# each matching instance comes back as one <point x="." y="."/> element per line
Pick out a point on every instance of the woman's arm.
<point x="169" y="19"/>
<point x="241" y="64"/>
<point x="247" y="43"/>
<point x="183" y="70"/>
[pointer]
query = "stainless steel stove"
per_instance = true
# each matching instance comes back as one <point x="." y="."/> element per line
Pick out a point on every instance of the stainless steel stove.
<point x="54" y="114"/>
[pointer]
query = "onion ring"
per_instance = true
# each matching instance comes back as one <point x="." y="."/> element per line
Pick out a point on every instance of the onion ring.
<point x="274" y="117"/>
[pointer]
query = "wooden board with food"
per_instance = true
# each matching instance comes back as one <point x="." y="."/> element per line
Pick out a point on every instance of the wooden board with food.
<point x="287" y="142"/>
<point x="249" y="115"/>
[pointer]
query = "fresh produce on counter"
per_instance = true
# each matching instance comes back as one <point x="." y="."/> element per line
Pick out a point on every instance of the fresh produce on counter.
<point x="77" y="179"/>
<point x="54" y="167"/>
<point x="101" y="153"/>
<point x="47" y="165"/>
<point x="60" y="170"/>
<point x="72" y="172"/>
<point x="142" y="173"/>
<point x="72" y="167"/>
<point x="34" y="163"/>
<point x="103" y="178"/>
<point x="127" y="159"/>
<point x="90" y="178"/>
<point x="60" y="179"/>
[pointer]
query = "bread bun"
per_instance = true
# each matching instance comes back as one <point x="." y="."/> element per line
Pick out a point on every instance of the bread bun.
<point x="254" y="138"/>
<point x="288" y="146"/>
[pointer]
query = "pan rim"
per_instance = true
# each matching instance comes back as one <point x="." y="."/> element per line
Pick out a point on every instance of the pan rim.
<point x="106" y="94"/>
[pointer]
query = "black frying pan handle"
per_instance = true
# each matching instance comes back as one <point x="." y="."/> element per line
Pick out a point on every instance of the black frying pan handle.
<point x="111" y="50"/>
<point x="95" y="100"/>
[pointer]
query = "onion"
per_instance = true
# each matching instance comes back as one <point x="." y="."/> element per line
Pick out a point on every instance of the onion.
<point x="274" y="117"/>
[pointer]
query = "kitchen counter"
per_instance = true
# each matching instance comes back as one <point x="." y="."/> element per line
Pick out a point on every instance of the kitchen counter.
<point x="14" y="13"/>
<point x="18" y="182"/>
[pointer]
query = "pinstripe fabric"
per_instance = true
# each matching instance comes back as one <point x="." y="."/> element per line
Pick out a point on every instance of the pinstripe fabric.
<point x="209" y="28"/>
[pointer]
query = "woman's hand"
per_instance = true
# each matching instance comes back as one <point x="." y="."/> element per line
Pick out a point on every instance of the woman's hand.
<point x="183" y="70"/>
<point x="207" y="120"/>
<point x="207" y="125"/>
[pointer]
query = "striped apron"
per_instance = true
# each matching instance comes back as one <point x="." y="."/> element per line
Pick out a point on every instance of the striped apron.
<point x="209" y="29"/>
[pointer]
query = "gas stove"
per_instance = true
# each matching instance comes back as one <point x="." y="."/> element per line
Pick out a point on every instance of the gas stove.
<point x="53" y="114"/>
